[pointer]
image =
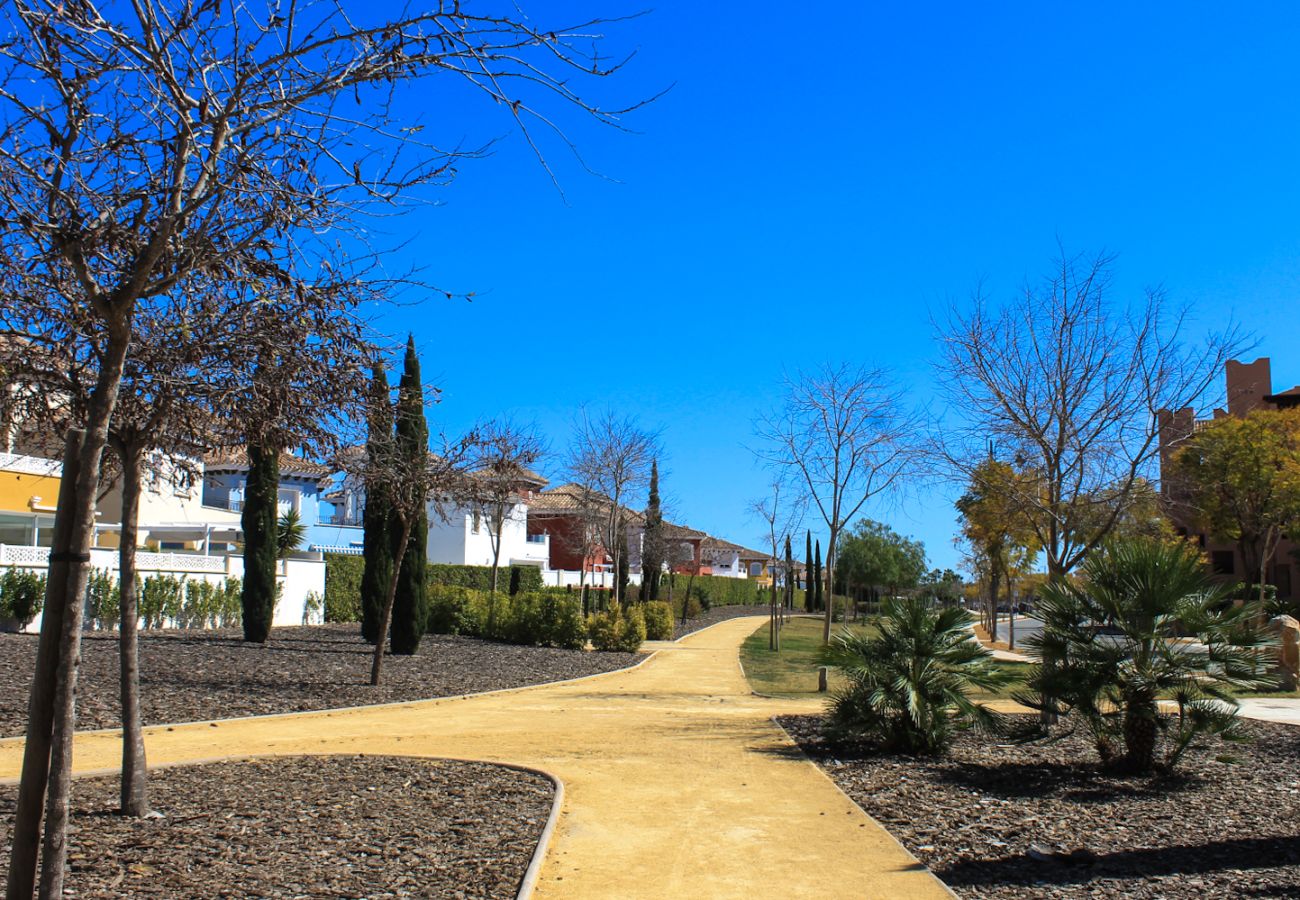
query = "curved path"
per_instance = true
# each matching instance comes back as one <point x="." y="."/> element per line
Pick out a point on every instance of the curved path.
<point x="677" y="784"/>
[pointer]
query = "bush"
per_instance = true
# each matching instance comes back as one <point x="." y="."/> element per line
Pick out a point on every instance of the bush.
<point x="22" y="594"/>
<point x="343" y="587"/>
<point x="612" y="630"/>
<point x="658" y="620"/>
<point x="693" y="608"/>
<point x="104" y="599"/>
<point x="538" y="618"/>
<point x="908" y="682"/>
<point x="455" y="610"/>
<point x="343" y="583"/>
<point x="162" y="597"/>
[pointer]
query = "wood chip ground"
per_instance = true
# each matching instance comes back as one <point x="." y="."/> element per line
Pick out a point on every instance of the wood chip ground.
<point x="1213" y="830"/>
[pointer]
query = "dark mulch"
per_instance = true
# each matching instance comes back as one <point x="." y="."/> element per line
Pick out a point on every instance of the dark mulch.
<point x="309" y="827"/>
<point x="188" y="676"/>
<point x="1212" y="830"/>
<point x="715" y="615"/>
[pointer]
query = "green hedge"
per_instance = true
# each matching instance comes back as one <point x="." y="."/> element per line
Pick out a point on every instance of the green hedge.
<point x="534" y="618"/>
<point x="343" y="582"/>
<point x="717" y="590"/>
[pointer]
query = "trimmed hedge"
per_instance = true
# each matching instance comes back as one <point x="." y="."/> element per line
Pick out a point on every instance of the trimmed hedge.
<point x="533" y="618"/>
<point x="343" y="582"/>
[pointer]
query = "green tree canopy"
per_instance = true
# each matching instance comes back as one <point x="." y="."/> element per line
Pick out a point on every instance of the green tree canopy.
<point x="1239" y="481"/>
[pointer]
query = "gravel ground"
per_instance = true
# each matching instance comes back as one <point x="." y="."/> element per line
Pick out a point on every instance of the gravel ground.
<point x="1215" y="830"/>
<point x="188" y="676"/>
<point x="309" y="827"/>
<point x="715" y="615"/>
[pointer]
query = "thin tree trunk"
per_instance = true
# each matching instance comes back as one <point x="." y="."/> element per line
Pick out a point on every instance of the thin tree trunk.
<point x="54" y="854"/>
<point x="134" y="771"/>
<point x="386" y="619"/>
<point x="993" y="607"/>
<point x="492" y="597"/>
<point x="830" y="587"/>
<point x="23" y="853"/>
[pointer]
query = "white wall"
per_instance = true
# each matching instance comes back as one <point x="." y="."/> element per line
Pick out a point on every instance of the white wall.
<point x="455" y="541"/>
<point x="301" y="574"/>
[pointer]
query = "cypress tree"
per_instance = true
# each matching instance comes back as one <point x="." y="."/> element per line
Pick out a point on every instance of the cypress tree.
<point x="817" y="577"/>
<point x="377" y="539"/>
<point x="516" y="579"/>
<point x="652" y="542"/>
<point x="260" y="522"/>
<point x="809" y="601"/>
<point x="410" y="606"/>
<point x="623" y="574"/>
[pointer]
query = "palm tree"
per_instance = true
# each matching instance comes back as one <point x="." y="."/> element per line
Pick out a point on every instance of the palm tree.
<point x="909" y="684"/>
<point x="1144" y="624"/>
<point x="290" y="532"/>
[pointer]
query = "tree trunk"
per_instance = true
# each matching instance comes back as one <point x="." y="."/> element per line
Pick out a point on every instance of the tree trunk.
<point x="1140" y="733"/>
<point x="40" y="710"/>
<point x="994" y="580"/>
<point x="259" y="521"/>
<point x="492" y="596"/>
<point x="386" y="618"/>
<point x="134" y="772"/>
<point x="830" y="586"/>
<point x="103" y="399"/>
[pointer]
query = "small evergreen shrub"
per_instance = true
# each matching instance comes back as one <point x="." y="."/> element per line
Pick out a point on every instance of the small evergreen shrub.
<point x="162" y="597"/>
<point x="343" y="587"/>
<point x="658" y="621"/>
<point x="22" y="594"/>
<point x="615" y="631"/>
<point x="693" y="608"/>
<point x="105" y="599"/>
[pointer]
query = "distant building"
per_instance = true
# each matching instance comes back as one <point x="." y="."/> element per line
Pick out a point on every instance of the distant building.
<point x="1249" y="387"/>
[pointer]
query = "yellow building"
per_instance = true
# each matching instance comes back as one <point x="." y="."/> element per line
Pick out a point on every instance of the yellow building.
<point x="29" y="490"/>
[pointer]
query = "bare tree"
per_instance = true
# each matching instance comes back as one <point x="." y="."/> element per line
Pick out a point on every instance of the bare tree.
<point x="499" y="469"/>
<point x="845" y="437"/>
<point x="1066" y="383"/>
<point x="611" y="456"/>
<point x="781" y="512"/>
<point x="199" y="137"/>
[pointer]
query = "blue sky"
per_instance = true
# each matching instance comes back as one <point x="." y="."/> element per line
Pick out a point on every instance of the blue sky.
<point x="816" y="186"/>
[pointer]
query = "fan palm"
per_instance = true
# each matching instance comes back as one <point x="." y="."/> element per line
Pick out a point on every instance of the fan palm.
<point x="290" y="532"/>
<point x="1144" y="624"/>
<point x="909" y="684"/>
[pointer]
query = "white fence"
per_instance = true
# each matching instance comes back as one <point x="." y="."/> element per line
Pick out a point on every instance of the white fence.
<point x="301" y="574"/>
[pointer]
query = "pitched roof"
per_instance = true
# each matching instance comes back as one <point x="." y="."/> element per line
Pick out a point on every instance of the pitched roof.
<point x="236" y="459"/>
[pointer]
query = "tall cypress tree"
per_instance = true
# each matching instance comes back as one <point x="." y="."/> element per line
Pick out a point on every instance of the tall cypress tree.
<point x="652" y="542"/>
<point x="410" y="607"/>
<point x="809" y="601"/>
<point x="377" y="539"/>
<point x="260" y="521"/>
<point x="817" y="577"/>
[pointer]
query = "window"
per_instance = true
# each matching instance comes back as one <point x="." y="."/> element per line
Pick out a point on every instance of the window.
<point x="1222" y="562"/>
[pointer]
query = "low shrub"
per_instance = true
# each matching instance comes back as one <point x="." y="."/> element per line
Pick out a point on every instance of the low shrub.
<point x="456" y="610"/>
<point x="104" y="598"/>
<point x="538" y="618"/>
<point x="162" y="597"/>
<point x="658" y="620"/>
<point x="615" y="631"/>
<point x="343" y="582"/>
<point x="22" y="594"/>
<point x="692" y="611"/>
